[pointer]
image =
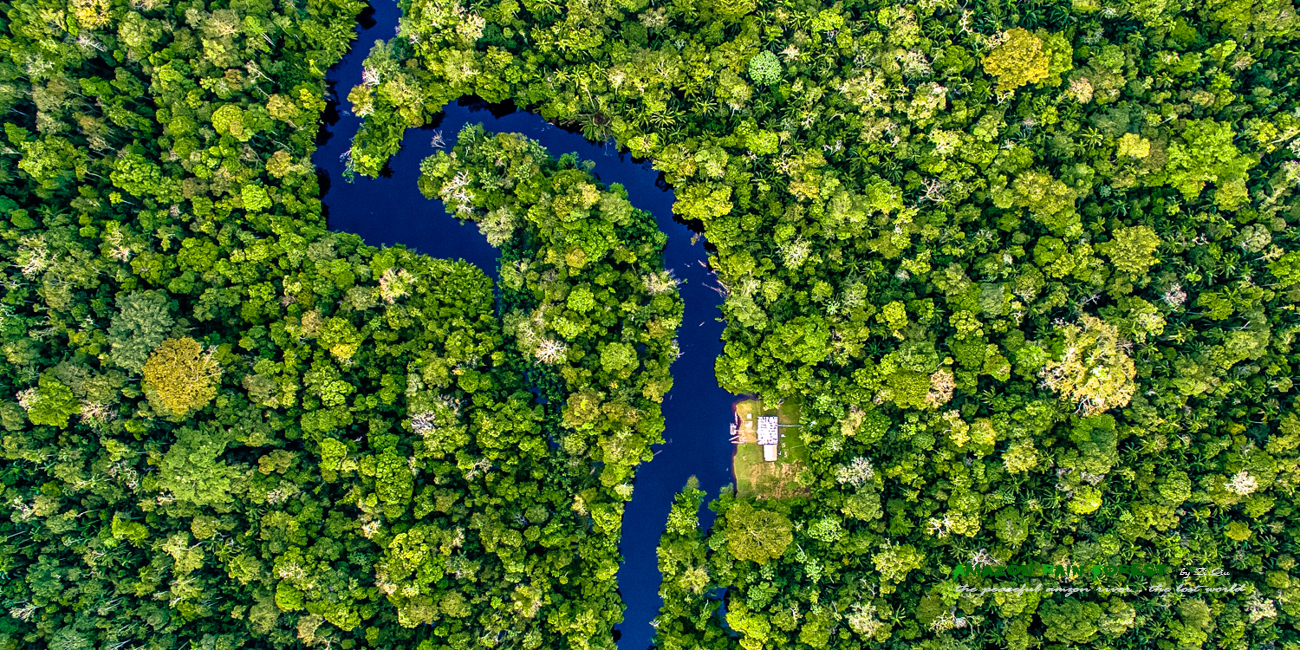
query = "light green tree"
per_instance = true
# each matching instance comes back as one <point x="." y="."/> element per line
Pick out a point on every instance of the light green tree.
<point x="50" y="403"/>
<point x="229" y="120"/>
<point x="1204" y="153"/>
<point x="282" y="108"/>
<point x="758" y="141"/>
<point x="1072" y="621"/>
<point x="1132" y="250"/>
<point x="1092" y="369"/>
<point x="765" y="68"/>
<point x="340" y="338"/>
<point x="1132" y="145"/>
<point x="893" y="315"/>
<point x="755" y="534"/>
<point x="254" y="198"/>
<point x="1020" y="456"/>
<point x="703" y="202"/>
<point x="1020" y="59"/>
<point x="894" y="562"/>
<point x="1286" y="269"/>
<point x="618" y="359"/>
<point x="581" y="300"/>
<point x="1117" y="617"/>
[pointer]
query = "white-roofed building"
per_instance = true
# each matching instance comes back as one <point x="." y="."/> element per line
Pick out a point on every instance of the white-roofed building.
<point x="768" y="435"/>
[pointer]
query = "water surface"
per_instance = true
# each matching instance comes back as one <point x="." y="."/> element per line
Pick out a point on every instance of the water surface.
<point x="390" y="210"/>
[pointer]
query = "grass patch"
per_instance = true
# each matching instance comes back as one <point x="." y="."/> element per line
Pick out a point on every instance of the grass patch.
<point x="757" y="478"/>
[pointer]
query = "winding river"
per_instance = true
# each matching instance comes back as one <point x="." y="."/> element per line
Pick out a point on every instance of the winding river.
<point x="390" y="210"/>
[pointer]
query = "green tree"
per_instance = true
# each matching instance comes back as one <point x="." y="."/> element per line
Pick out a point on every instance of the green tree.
<point x="1096" y="441"/>
<point x="1132" y="250"/>
<point x="192" y="472"/>
<point x="1049" y="201"/>
<point x="141" y="324"/>
<point x="756" y="534"/>
<point x="729" y="10"/>
<point x="1194" y="625"/>
<point x="394" y="482"/>
<point x="50" y="403"/>
<point x="618" y="359"/>
<point x="765" y="68"/>
<point x="804" y="338"/>
<point x="1072" y="621"/>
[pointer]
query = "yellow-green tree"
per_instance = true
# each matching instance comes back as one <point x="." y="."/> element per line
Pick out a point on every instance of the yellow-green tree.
<point x="755" y="534"/>
<point x="1132" y="250"/>
<point x="1019" y="60"/>
<point x="180" y="378"/>
<point x="1092" y="369"/>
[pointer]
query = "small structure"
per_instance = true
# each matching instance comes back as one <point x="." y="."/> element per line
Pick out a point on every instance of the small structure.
<point x="768" y="435"/>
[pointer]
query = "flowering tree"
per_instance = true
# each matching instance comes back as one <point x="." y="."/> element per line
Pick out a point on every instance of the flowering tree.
<point x="1092" y="369"/>
<point x="180" y="377"/>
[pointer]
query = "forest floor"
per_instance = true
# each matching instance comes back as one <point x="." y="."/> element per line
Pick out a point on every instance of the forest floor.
<point x="756" y="477"/>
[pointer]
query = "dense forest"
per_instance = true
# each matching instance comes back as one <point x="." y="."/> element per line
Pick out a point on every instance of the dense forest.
<point x="1031" y="269"/>
<point x="225" y="426"/>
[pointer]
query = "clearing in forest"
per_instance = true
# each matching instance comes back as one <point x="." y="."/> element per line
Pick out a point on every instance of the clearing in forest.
<point x="762" y="479"/>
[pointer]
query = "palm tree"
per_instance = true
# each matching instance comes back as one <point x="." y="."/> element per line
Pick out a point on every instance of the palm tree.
<point x="595" y="127"/>
<point x="665" y="118"/>
<point x="705" y="105"/>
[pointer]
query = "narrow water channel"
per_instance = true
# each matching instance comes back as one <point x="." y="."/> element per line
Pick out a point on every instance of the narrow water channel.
<point x="391" y="210"/>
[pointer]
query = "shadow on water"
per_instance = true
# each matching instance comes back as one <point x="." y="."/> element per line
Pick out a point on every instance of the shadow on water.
<point x="390" y="210"/>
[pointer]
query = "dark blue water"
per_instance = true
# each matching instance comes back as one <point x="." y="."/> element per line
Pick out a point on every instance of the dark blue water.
<point x="391" y="210"/>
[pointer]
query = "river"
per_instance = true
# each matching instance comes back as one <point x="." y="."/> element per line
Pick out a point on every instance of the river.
<point x="390" y="210"/>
